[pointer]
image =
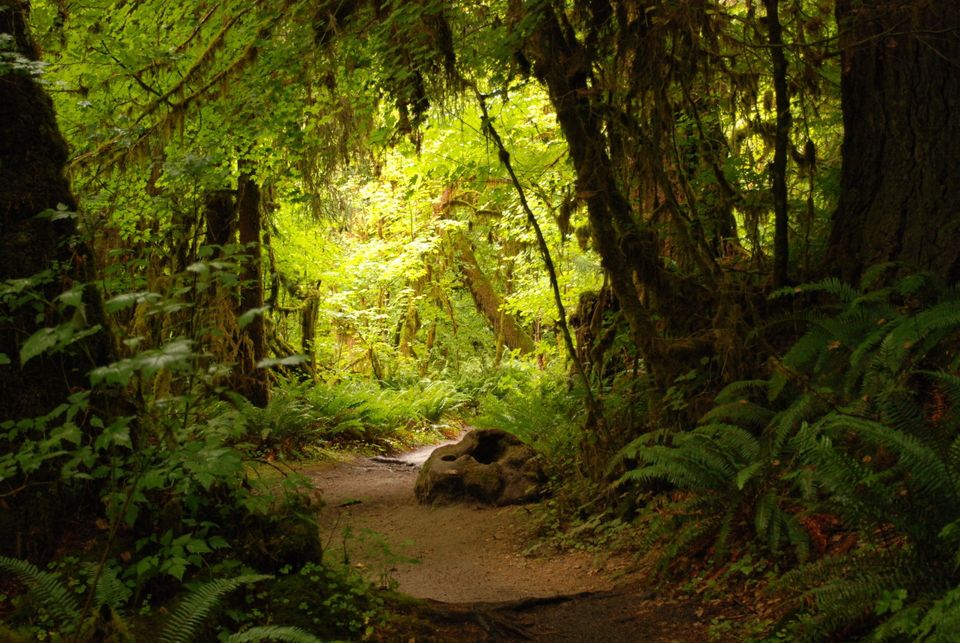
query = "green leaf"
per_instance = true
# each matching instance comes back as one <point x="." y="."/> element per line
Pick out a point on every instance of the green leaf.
<point x="42" y="341"/>
<point x="274" y="633"/>
<point x="4" y="359"/>
<point x="118" y="433"/>
<point x="292" y="360"/>
<point x="745" y="474"/>
<point x="175" y="567"/>
<point x="68" y="432"/>
<point x="72" y="298"/>
<point x="198" y="547"/>
<point x="218" y="542"/>
<point x="125" y="300"/>
<point x="247" y="317"/>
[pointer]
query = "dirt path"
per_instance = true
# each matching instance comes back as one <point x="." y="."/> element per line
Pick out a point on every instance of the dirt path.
<point x="477" y="558"/>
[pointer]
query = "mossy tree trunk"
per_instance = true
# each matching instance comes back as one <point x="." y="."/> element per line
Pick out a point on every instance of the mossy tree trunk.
<point x="308" y="325"/>
<point x="486" y="298"/>
<point x="629" y="251"/>
<point x="900" y="93"/>
<point x="33" y="155"/>
<point x="252" y="382"/>
<point x="235" y="216"/>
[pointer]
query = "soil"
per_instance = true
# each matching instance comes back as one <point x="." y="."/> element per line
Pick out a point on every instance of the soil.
<point x="480" y="576"/>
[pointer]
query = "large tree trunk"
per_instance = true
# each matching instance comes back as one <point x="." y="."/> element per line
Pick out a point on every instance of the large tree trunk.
<point x="629" y="252"/>
<point x="32" y="158"/>
<point x="900" y="89"/>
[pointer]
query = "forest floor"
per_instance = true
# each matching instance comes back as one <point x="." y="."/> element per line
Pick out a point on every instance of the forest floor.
<point x="480" y="577"/>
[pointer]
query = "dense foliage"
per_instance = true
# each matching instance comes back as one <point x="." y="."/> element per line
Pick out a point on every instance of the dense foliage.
<point x="701" y="255"/>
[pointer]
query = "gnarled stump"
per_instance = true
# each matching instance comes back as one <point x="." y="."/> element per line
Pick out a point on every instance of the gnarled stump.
<point x="487" y="465"/>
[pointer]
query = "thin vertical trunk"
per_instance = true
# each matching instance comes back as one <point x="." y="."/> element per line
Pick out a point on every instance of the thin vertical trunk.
<point x="409" y="323"/>
<point x="593" y="407"/>
<point x="308" y="326"/>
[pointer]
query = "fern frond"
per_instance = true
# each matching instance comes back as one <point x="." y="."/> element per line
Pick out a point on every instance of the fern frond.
<point x="796" y="535"/>
<point x="777" y="527"/>
<point x="830" y="286"/>
<point x="763" y="518"/>
<point x="184" y="622"/>
<point x="875" y="275"/>
<point x="862" y="356"/>
<point x="930" y="478"/>
<point x="110" y="590"/>
<point x="917" y="282"/>
<point x="676" y="473"/>
<point x="644" y="441"/>
<point x="846" y="588"/>
<point x="287" y="634"/>
<point x="942" y="620"/>
<point x="740" y="445"/>
<point x="49" y="589"/>
<point x="734" y="391"/>
<point x="787" y="422"/>
<point x="940" y="319"/>
<point x="857" y="492"/>
<point x="690" y="534"/>
<point x="807" y="350"/>
<point x="742" y="412"/>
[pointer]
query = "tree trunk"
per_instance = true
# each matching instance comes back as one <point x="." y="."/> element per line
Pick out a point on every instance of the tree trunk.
<point x="252" y="382"/>
<point x="629" y="253"/>
<point x="32" y="158"/>
<point x="900" y="91"/>
<point x="781" y="226"/>
<point x="308" y="325"/>
<point x="486" y="298"/>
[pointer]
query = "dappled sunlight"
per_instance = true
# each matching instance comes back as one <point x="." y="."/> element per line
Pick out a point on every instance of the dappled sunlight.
<point x="673" y="283"/>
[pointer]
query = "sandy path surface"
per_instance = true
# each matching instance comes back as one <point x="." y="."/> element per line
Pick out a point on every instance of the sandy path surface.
<point x="474" y="560"/>
<point x="463" y="553"/>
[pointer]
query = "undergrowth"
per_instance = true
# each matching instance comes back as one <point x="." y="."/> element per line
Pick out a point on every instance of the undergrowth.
<point x="842" y="463"/>
<point x="313" y="603"/>
<point x="303" y="419"/>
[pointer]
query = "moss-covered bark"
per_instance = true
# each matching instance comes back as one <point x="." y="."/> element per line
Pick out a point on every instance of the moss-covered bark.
<point x="251" y="382"/>
<point x="629" y="251"/>
<point x="33" y="155"/>
<point x="488" y="302"/>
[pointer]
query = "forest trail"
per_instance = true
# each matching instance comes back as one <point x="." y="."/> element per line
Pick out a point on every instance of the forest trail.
<point x="474" y="566"/>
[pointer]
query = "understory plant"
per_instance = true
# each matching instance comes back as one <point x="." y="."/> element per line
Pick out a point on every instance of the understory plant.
<point x="161" y="485"/>
<point x="55" y="599"/>
<point x="848" y="452"/>
<point x="304" y="418"/>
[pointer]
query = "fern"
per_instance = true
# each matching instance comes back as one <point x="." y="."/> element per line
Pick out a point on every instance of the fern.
<point x="184" y="622"/>
<point x="889" y="466"/>
<point x="110" y="590"/>
<point x="846" y="589"/>
<point x="742" y="413"/>
<point x="48" y="588"/>
<point x="942" y="621"/>
<point x="860" y="420"/>
<point x="727" y="467"/>
<point x="273" y="633"/>
<point x="829" y="286"/>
